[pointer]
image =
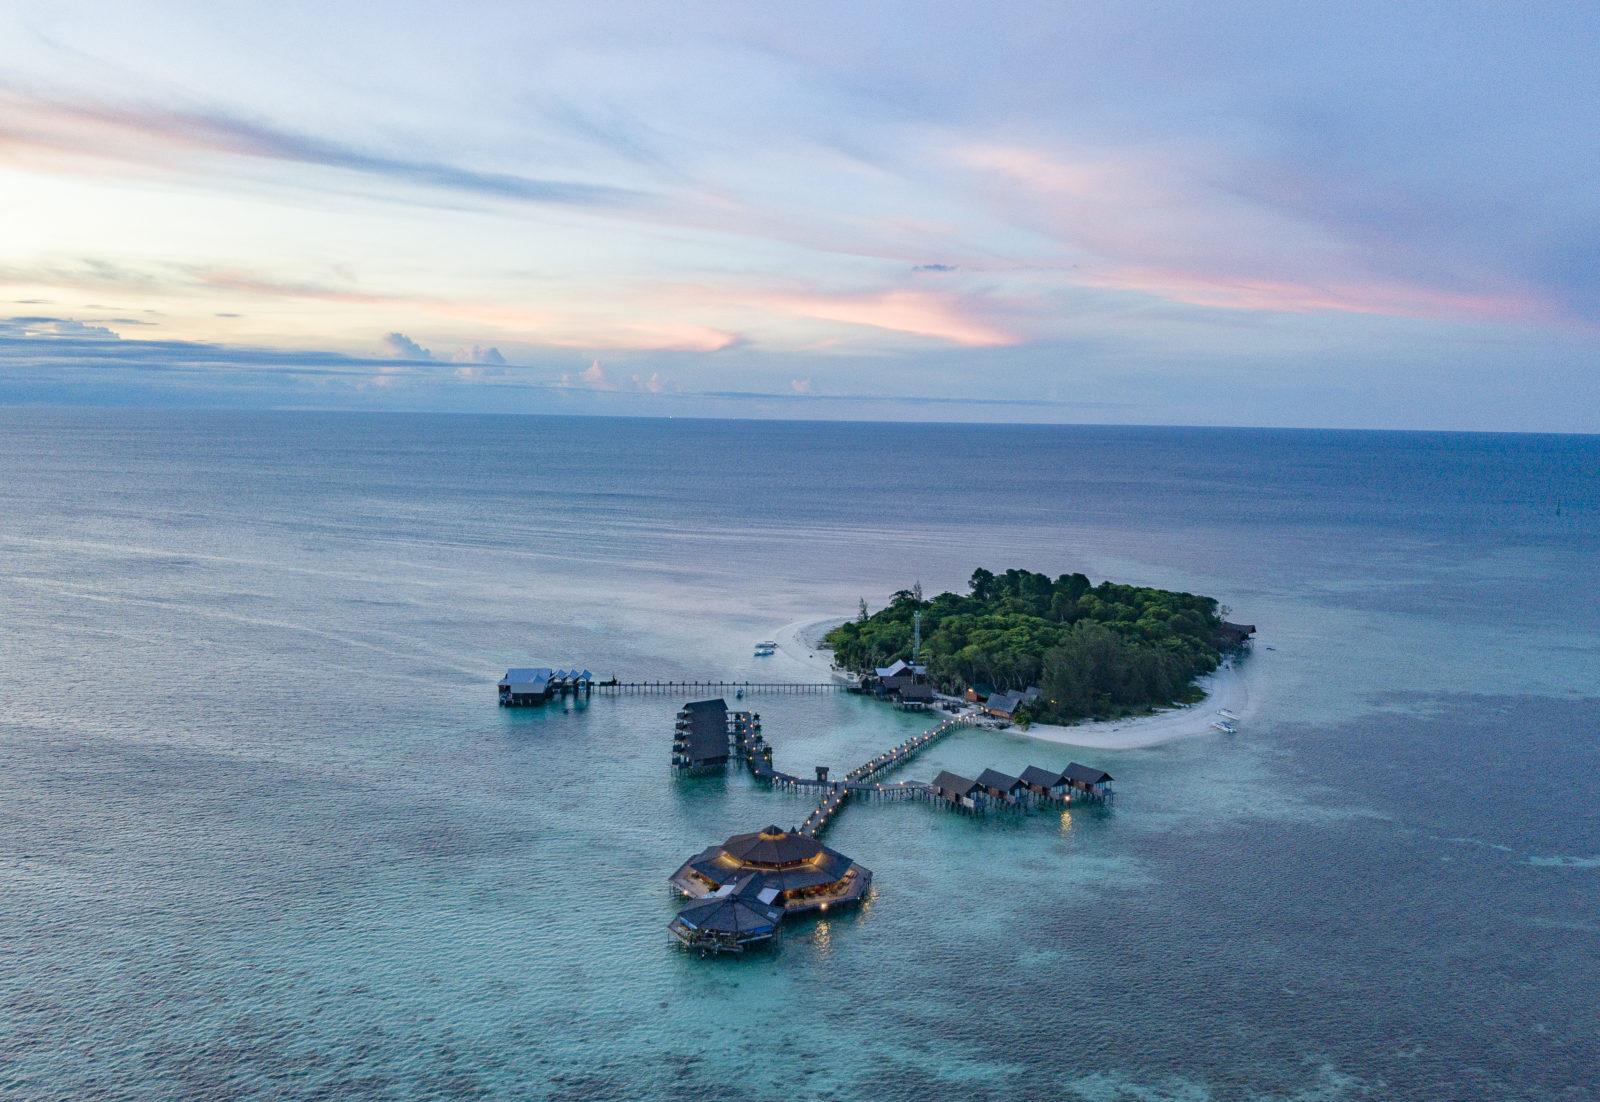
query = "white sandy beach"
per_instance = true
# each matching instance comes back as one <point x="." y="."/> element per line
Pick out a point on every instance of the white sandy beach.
<point x="1224" y="689"/>
<point x="800" y="656"/>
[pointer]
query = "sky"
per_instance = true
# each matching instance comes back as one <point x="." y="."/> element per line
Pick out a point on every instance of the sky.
<point x="1355" y="215"/>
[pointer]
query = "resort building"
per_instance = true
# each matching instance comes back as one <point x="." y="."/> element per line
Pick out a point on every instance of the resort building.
<point x="803" y="873"/>
<point x="736" y="915"/>
<point x="1005" y="705"/>
<point x="700" y="737"/>
<point x="894" y="680"/>
<point x="916" y="696"/>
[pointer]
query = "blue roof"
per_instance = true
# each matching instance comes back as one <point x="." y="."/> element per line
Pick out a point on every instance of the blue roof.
<point x="527" y="673"/>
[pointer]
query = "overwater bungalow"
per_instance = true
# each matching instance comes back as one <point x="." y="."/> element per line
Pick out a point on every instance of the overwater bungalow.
<point x="700" y="737"/>
<point x="730" y="919"/>
<point x="523" y="686"/>
<point x="805" y="874"/>
<point x="1044" y="784"/>
<point x="959" y="790"/>
<point x="1088" y="780"/>
<point x="1001" y="787"/>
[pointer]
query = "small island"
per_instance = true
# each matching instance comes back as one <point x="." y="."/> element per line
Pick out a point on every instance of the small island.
<point x="1070" y="650"/>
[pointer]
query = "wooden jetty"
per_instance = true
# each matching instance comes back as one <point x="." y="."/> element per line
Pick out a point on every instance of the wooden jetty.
<point x="622" y="688"/>
<point x="859" y="781"/>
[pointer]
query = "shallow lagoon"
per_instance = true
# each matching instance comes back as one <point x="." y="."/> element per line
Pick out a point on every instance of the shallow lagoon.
<point x="267" y="835"/>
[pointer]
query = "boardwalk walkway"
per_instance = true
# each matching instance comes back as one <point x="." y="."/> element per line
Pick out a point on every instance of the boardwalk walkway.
<point x="860" y="782"/>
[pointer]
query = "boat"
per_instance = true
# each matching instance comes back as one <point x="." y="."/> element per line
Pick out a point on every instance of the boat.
<point x="1227" y="715"/>
<point x="1225" y="727"/>
<point x="766" y="649"/>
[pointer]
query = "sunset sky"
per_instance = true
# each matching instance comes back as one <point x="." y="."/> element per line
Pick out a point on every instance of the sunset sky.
<point x="1270" y="214"/>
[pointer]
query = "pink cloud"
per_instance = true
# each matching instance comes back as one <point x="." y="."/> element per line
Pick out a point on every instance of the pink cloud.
<point x="1164" y="223"/>
<point x="932" y="314"/>
<point x="1221" y="291"/>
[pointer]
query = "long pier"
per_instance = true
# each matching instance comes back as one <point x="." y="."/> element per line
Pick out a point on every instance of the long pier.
<point x="679" y="687"/>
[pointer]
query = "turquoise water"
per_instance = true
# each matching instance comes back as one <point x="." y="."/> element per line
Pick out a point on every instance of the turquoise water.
<point x="266" y="835"/>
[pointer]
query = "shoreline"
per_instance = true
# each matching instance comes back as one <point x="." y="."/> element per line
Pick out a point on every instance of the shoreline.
<point x="798" y="644"/>
<point x="1224" y="689"/>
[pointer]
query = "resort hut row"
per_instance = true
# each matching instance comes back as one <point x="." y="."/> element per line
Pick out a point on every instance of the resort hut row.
<point x="527" y="685"/>
<point x="993" y="788"/>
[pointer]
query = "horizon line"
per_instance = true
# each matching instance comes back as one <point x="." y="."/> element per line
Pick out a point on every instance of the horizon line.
<point x="579" y="415"/>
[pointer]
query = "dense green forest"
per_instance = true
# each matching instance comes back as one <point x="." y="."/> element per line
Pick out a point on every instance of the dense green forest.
<point x="1093" y="650"/>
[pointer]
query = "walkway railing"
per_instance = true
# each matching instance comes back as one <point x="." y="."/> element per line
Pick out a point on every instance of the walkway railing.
<point x="858" y="781"/>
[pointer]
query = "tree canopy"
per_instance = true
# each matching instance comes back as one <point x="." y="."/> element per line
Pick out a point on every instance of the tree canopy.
<point x="1093" y="650"/>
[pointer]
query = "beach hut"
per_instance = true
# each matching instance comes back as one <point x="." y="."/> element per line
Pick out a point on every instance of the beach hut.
<point x="1006" y="705"/>
<point x="1003" y="705"/>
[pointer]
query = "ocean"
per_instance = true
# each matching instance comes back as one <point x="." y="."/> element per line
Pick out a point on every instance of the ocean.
<point x="266" y="835"/>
